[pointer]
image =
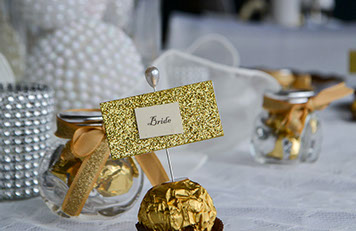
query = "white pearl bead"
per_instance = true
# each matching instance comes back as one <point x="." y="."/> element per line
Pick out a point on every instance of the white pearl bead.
<point x="66" y="104"/>
<point x="82" y="86"/>
<point x="68" y="86"/>
<point x="81" y="75"/>
<point x="60" y="95"/>
<point x="83" y="96"/>
<point x="71" y="96"/>
<point x="77" y="104"/>
<point x="58" y="83"/>
<point x="69" y="75"/>
<point x="50" y="14"/>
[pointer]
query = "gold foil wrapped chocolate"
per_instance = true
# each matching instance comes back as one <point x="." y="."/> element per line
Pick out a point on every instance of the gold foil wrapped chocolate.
<point x="278" y="151"/>
<point x="116" y="177"/>
<point x="176" y="206"/>
<point x="288" y="137"/>
<point x="287" y="133"/>
<point x="296" y="80"/>
<point x="66" y="170"/>
<point x="67" y="166"/>
<point x="291" y="80"/>
<point x="314" y="125"/>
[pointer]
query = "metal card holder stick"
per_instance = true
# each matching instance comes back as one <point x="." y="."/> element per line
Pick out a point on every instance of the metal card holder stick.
<point x="152" y="77"/>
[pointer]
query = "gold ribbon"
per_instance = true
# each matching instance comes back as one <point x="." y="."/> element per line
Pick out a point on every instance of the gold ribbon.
<point x="89" y="143"/>
<point x="294" y="115"/>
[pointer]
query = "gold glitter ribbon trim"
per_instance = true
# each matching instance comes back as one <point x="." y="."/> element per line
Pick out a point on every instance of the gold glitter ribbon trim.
<point x="294" y="115"/>
<point x="89" y="142"/>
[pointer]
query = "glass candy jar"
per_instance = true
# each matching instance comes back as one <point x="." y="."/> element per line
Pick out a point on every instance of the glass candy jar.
<point x="115" y="191"/>
<point x="286" y="131"/>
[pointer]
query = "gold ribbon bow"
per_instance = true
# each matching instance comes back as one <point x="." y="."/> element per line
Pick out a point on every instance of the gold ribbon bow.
<point x="89" y="143"/>
<point x="291" y="117"/>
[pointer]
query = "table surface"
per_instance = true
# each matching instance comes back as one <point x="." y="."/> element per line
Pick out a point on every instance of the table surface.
<point x="248" y="196"/>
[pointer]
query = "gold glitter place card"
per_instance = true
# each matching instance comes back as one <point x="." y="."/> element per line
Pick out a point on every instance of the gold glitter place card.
<point x="199" y="117"/>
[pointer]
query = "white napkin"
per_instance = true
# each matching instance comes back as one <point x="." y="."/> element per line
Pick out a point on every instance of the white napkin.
<point x="239" y="94"/>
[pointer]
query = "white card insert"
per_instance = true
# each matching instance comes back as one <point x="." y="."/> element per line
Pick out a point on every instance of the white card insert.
<point x="159" y="120"/>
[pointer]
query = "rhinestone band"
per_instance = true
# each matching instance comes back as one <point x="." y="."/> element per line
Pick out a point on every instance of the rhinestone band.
<point x="25" y="124"/>
<point x="19" y="193"/>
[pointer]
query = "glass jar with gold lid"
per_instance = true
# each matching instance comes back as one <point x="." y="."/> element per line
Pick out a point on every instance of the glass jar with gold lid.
<point x="286" y="131"/>
<point x="113" y="190"/>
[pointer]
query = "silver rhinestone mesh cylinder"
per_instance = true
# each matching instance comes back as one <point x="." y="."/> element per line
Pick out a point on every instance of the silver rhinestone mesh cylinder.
<point x="25" y="129"/>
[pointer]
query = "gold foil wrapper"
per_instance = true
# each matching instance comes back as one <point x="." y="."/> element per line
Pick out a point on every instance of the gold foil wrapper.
<point x="134" y="167"/>
<point x="314" y="125"/>
<point x="286" y="134"/>
<point x="67" y="166"/>
<point x="295" y="148"/>
<point x="289" y="80"/>
<point x="278" y="123"/>
<point x="177" y="205"/>
<point x="116" y="178"/>
<point x="279" y="148"/>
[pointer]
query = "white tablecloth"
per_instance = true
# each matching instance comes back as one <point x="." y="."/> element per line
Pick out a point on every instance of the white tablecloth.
<point x="247" y="195"/>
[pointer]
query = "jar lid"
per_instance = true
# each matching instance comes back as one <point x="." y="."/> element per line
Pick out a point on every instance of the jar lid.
<point x="292" y="96"/>
<point x="86" y="118"/>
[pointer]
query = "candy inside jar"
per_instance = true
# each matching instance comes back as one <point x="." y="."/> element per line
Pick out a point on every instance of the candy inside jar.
<point x="286" y="131"/>
<point x="113" y="189"/>
<point x="117" y="177"/>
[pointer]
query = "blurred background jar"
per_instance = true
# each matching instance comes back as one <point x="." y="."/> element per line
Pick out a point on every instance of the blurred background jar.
<point x="286" y="137"/>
